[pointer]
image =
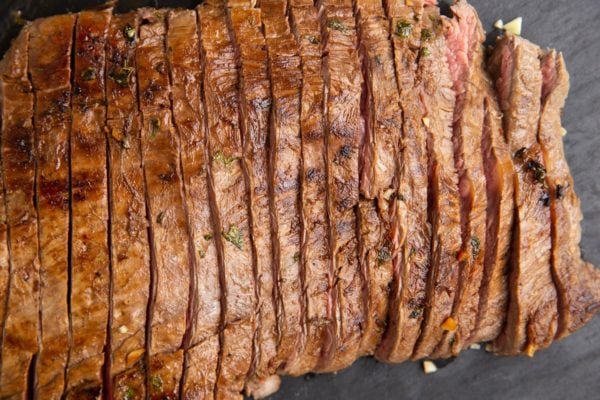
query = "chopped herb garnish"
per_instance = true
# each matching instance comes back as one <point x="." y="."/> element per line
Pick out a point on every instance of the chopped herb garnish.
<point x="335" y="23"/>
<point x="416" y="313"/>
<point x="425" y="52"/>
<point x="296" y="257"/>
<point x="234" y="236"/>
<point x="156" y="382"/>
<point x="378" y="61"/>
<point x="262" y="103"/>
<point x="129" y="394"/>
<point x="129" y="33"/>
<point x="426" y="34"/>
<point x="561" y="191"/>
<point x="519" y="154"/>
<point x="88" y="74"/>
<point x="201" y="253"/>
<point x="154" y="127"/>
<point x="475" y="246"/>
<point x="384" y="255"/>
<point x="222" y="158"/>
<point x="312" y="39"/>
<point x="539" y="172"/>
<point x="121" y="75"/>
<point x="208" y="236"/>
<point x="160" y="217"/>
<point x="403" y="29"/>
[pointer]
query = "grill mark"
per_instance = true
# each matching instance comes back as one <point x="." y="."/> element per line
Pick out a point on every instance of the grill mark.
<point x="52" y="122"/>
<point x="21" y="318"/>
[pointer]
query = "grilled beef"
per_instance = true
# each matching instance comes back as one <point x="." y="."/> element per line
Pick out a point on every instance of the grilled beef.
<point x="195" y="202"/>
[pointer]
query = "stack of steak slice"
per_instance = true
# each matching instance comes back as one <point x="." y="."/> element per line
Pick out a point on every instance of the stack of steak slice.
<point x="195" y="202"/>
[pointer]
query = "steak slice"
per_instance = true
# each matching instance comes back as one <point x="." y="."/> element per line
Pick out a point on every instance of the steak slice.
<point x="532" y="311"/>
<point x="202" y="347"/>
<point x="410" y="268"/>
<point x="438" y="100"/>
<point x="229" y="201"/>
<point x="284" y="173"/>
<point x="344" y="130"/>
<point x="90" y="263"/>
<point x="255" y="108"/>
<point x="464" y="38"/>
<point x="21" y="325"/>
<point x="130" y="248"/>
<point x="380" y="218"/>
<point x="577" y="283"/>
<point x="314" y="256"/>
<point x="51" y="39"/>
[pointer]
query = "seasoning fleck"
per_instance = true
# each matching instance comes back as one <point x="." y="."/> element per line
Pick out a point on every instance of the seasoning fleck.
<point x="403" y="29"/>
<point x="88" y="74"/>
<point x="234" y="236"/>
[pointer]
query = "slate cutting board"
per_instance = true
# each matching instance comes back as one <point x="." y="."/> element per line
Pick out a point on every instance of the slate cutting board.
<point x="569" y="369"/>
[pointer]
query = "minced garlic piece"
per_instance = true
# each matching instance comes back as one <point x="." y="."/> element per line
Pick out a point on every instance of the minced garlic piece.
<point x="563" y="131"/>
<point x="499" y="24"/>
<point x="426" y="121"/>
<point x="515" y="26"/>
<point x="489" y="348"/>
<point x="450" y="324"/>
<point x="123" y="329"/>
<point x="475" y="346"/>
<point x="429" y="367"/>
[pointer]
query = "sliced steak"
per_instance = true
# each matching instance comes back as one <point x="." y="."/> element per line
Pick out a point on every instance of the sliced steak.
<point x="51" y="39"/>
<point x="407" y="300"/>
<point x="344" y="130"/>
<point x="130" y="248"/>
<point x="577" y="283"/>
<point x="170" y="247"/>
<point x="314" y="256"/>
<point x="438" y="100"/>
<point x="381" y="220"/>
<point x="229" y="201"/>
<point x="284" y="172"/>
<point x="532" y="311"/>
<point x="90" y="262"/>
<point x="188" y="110"/>
<point x="21" y="324"/>
<point x="464" y="38"/>
<point x="255" y="108"/>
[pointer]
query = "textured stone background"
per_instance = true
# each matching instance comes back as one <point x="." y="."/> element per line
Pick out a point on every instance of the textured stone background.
<point x="569" y="369"/>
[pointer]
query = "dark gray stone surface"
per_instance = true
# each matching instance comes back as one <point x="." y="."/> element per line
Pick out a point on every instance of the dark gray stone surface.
<point x="570" y="369"/>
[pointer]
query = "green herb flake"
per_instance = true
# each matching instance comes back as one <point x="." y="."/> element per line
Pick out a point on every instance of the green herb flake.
<point x="403" y="29"/>
<point x="88" y="74"/>
<point x="425" y="52"/>
<point x="384" y="255"/>
<point x="160" y="217"/>
<point x="312" y="39"/>
<point x="475" y="246"/>
<point x="154" y="127"/>
<point x="296" y="257"/>
<point x="156" y="382"/>
<point x="201" y="253"/>
<point x="121" y="75"/>
<point x="208" y="236"/>
<point x="416" y="313"/>
<point x="129" y="33"/>
<point x="223" y="159"/>
<point x="336" y="23"/>
<point x="234" y="236"/>
<point x="129" y="394"/>
<point x="427" y="34"/>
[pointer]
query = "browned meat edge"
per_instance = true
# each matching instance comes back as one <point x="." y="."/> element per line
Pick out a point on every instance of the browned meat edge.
<point x="532" y="313"/>
<point x="381" y="218"/>
<point x="315" y="257"/>
<point x="229" y="201"/>
<point x="21" y="310"/>
<point x="344" y="129"/>
<point x="410" y="269"/>
<point x="49" y="51"/>
<point x="578" y="284"/>
<point x="90" y="261"/>
<point x="130" y="248"/>
<point x="464" y="37"/>
<point x="255" y="109"/>
<point x="439" y="100"/>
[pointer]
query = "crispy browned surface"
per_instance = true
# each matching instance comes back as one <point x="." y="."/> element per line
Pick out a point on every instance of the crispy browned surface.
<point x="344" y="129"/>
<point x="439" y="101"/>
<point x="188" y="111"/>
<point x="255" y="108"/>
<point x="532" y="312"/>
<point x="315" y="257"/>
<point x="380" y="162"/>
<point x="4" y="258"/>
<point x="20" y="335"/>
<point x="229" y="198"/>
<point x="284" y="170"/>
<point x="410" y="271"/>
<point x="130" y="251"/>
<point x="51" y="39"/>
<point x="464" y="35"/>
<point x="577" y="283"/>
<point x="89" y="204"/>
